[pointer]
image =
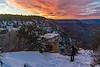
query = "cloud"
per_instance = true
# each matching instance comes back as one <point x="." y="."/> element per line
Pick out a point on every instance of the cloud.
<point x="60" y="9"/>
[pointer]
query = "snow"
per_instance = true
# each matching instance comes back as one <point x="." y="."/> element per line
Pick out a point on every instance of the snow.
<point x="2" y="29"/>
<point x="97" y="66"/>
<point x="36" y="59"/>
<point x="50" y="35"/>
<point x="16" y="29"/>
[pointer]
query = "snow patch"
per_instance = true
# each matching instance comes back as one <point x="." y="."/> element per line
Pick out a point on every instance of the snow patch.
<point x="36" y="59"/>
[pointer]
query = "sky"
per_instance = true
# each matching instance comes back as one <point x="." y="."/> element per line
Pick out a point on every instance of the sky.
<point x="6" y="8"/>
<point x="55" y="9"/>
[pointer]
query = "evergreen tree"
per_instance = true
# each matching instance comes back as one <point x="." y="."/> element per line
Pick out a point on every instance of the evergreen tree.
<point x="32" y="36"/>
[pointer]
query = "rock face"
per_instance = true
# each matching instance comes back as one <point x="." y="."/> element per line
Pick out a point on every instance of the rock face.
<point x="9" y="40"/>
<point x="80" y="29"/>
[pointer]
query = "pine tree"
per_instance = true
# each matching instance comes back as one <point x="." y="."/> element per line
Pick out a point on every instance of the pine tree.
<point x="32" y="36"/>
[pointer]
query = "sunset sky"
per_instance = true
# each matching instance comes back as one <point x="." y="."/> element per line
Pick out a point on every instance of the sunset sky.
<point x="55" y="9"/>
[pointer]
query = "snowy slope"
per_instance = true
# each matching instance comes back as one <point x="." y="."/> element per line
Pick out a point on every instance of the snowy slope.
<point x="36" y="59"/>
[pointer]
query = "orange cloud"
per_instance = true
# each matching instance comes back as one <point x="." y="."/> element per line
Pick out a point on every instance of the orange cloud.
<point x="59" y="9"/>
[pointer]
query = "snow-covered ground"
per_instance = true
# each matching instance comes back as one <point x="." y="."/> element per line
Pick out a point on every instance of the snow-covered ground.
<point x="36" y="59"/>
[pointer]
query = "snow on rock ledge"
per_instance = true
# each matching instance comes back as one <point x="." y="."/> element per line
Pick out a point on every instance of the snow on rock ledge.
<point x="36" y="59"/>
